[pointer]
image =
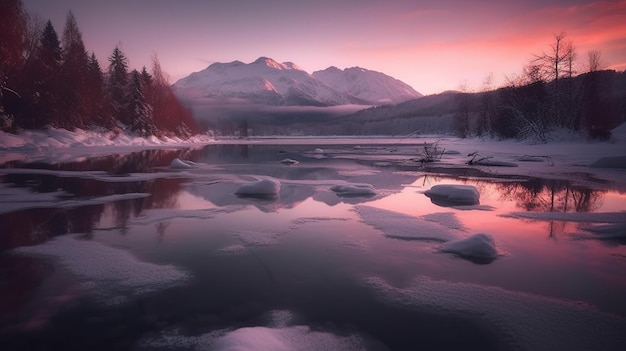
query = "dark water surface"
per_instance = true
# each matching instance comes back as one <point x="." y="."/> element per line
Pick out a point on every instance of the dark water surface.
<point x="233" y="262"/>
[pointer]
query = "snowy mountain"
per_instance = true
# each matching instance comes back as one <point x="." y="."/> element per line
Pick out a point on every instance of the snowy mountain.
<point x="376" y="87"/>
<point x="263" y="81"/>
<point x="268" y="82"/>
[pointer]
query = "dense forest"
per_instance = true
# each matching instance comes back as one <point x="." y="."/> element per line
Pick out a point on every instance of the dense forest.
<point x="47" y="81"/>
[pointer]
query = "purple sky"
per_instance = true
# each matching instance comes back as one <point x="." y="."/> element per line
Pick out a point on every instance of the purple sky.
<point x="431" y="45"/>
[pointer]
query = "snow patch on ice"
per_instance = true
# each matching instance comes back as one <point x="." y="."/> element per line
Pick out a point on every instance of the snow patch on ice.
<point x="453" y="194"/>
<point x="526" y="321"/>
<point x="257" y="238"/>
<point x="106" y="271"/>
<point x="258" y="338"/>
<point x="260" y="188"/>
<point x="401" y="226"/>
<point x="232" y="249"/>
<point x="478" y="248"/>
<point x="446" y="219"/>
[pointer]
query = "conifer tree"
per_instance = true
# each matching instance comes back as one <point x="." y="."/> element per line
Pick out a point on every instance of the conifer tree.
<point x="94" y="94"/>
<point x="116" y="85"/>
<point x="41" y="82"/>
<point x="139" y="112"/>
<point x="74" y="71"/>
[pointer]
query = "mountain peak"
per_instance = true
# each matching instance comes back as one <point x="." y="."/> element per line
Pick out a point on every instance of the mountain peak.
<point x="266" y="61"/>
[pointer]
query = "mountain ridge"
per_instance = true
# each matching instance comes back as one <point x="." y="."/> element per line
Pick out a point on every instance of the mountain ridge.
<point x="266" y="81"/>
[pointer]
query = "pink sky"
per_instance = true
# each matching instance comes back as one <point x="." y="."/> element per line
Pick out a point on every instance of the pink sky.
<point x="432" y="45"/>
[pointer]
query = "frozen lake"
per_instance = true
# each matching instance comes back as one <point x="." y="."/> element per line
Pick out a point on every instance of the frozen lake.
<point x="309" y="244"/>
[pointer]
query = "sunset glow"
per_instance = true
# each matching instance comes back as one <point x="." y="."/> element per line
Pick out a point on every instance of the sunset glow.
<point x="432" y="46"/>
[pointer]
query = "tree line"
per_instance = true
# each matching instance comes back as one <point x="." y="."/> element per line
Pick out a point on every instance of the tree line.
<point x="47" y="81"/>
<point x="551" y="92"/>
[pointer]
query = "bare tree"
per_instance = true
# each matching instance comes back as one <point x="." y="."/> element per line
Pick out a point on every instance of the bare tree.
<point x="594" y="61"/>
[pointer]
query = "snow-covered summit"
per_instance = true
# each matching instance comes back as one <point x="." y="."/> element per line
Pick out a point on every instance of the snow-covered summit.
<point x="267" y="81"/>
<point x="368" y="85"/>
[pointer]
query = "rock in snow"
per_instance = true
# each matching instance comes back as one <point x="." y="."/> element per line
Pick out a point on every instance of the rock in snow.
<point x="289" y="161"/>
<point x="260" y="188"/>
<point x="478" y="248"/>
<point x="177" y="163"/>
<point x="453" y="195"/>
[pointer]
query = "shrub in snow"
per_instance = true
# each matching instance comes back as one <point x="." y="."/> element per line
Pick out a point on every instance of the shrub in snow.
<point x="177" y="163"/>
<point x="478" y="248"/>
<point x="354" y="190"/>
<point x="453" y="195"/>
<point x="260" y="188"/>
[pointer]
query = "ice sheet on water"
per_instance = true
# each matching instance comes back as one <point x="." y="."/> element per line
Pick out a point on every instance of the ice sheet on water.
<point x="478" y="248"/>
<point x="588" y="217"/>
<point x="106" y="271"/>
<point x="401" y="226"/>
<point x="526" y="321"/>
<point x="164" y="214"/>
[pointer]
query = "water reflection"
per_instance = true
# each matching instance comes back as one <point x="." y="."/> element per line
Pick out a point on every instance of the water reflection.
<point x="311" y="179"/>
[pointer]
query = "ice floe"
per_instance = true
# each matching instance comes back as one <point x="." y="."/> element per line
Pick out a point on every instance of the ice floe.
<point x="453" y="194"/>
<point x="259" y="188"/>
<point x="614" y="231"/>
<point x="401" y="226"/>
<point x="106" y="271"/>
<point x="354" y="190"/>
<point x="590" y="217"/>
<point x="478" y="248"/>
<point x="610" y="162"/>
<point x="524" y="321"/>
<point x="18" y="199"/>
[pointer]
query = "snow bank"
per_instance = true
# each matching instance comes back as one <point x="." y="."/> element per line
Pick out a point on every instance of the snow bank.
<point x="610" y="162"/>
<point x="401" y="226"/>
<point x="478" y="248"/>
<point x="525" y="321"/>
<point x="354" y="190"/>
<point x="107" y="271"/>
<point x="177" y="163"/>
<point x="62" y="138"/>
<point x="453" y="194"/>
<point x="260" y="188"/>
